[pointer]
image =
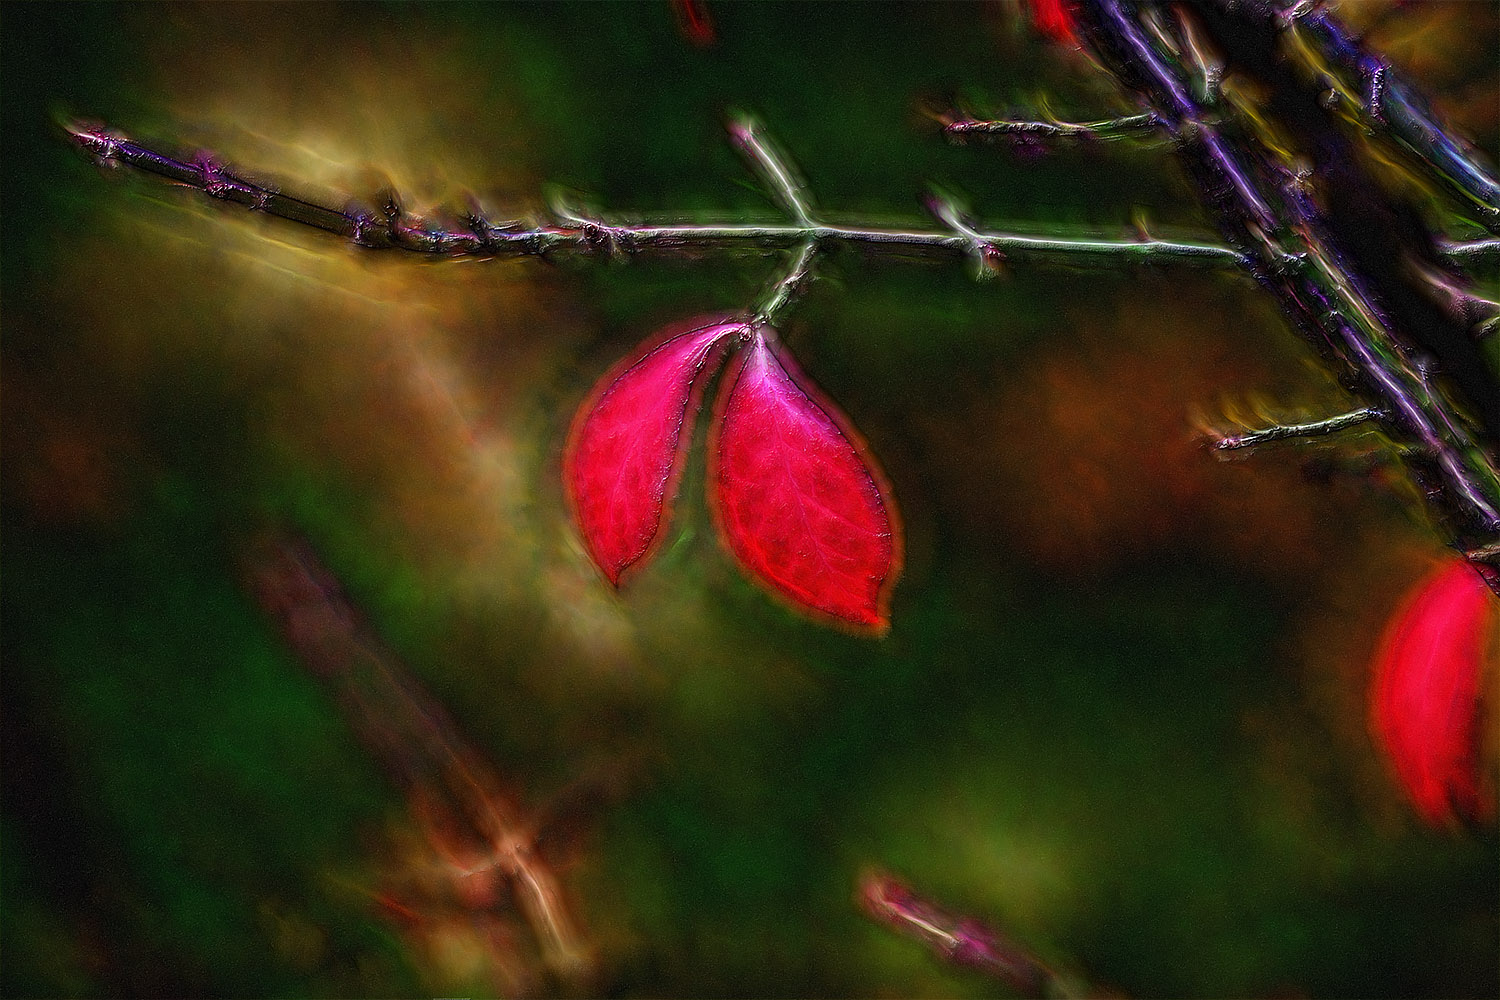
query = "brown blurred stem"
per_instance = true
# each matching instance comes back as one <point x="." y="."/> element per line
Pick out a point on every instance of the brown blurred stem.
<point x="960" y="940"/>
<point x="451" y="786"/>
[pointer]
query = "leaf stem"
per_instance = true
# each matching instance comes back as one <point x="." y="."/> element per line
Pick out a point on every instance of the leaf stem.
<point x="786" y="290"/>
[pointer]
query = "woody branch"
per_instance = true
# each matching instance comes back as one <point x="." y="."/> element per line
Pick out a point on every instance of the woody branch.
<point x="1375" y="333"/>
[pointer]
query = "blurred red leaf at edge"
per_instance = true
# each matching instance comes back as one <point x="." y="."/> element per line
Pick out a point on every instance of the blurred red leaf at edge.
<point x="1426" y="695"/>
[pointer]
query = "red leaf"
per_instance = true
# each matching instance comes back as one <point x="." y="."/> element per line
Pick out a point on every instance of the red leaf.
<point x="1426" y="698"/>
<point x="797" y="500"/>
<point x="626" y="448"/>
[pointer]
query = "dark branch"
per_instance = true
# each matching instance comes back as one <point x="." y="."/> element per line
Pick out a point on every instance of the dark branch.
<point x="1391" y="104"/>
<point x="1270" y="213"/>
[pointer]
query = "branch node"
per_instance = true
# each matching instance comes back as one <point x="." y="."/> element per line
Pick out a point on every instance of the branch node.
<point x="988" y="258"/>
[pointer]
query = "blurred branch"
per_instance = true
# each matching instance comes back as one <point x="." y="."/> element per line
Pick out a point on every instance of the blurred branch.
<point x="454" y="793"/>
<point x="1472" y="254"/>
<point x="1387" y="101"/>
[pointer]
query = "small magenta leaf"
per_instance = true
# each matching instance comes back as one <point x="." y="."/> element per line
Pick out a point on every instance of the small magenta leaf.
<point x="797" y="499"/>
<point x="626" y="448"/>
<point x="1425" y="703"/>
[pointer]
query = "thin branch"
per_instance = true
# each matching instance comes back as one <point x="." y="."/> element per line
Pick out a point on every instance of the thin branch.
<point x="572" y="231"/>
<point x="1129" y="127"/>
<point x="773" y="168"/>
<point x="960" y="940"/>
<point x="1281" y="432"/>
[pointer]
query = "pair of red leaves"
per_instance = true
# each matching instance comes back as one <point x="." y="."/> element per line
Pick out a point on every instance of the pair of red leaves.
<point x="797" y="499"/>
<point x="1427" y="696"/>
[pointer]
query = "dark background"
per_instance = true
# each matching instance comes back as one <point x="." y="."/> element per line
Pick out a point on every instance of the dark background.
<point x="1121" y="710"/>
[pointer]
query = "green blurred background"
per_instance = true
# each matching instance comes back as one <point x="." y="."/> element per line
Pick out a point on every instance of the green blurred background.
<point x="1121" y="709"/>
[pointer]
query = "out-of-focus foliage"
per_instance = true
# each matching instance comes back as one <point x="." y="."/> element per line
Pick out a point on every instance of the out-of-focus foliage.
<point x="1120" y="710"/>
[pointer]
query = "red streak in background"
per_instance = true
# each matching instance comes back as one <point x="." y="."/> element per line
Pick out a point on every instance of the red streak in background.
<point x="1053" y="19"/>
<point x="1426" y="702"/>
<point x="694" y="22"/>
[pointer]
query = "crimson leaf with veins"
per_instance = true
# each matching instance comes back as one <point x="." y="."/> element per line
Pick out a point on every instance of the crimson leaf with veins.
<point x="797" y="499"/>
<point x="626" y="450"/>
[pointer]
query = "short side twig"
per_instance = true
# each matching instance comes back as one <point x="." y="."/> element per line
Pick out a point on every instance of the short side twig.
<point x="1281" y="432"/>
<point x="1128" y="127"/>
<point x="773" y="168"/>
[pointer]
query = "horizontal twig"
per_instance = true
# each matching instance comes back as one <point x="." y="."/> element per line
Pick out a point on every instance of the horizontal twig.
<point x="1281" y="432"/>
<point x="572" y="231"/>
<point x="1131" y="126"/>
